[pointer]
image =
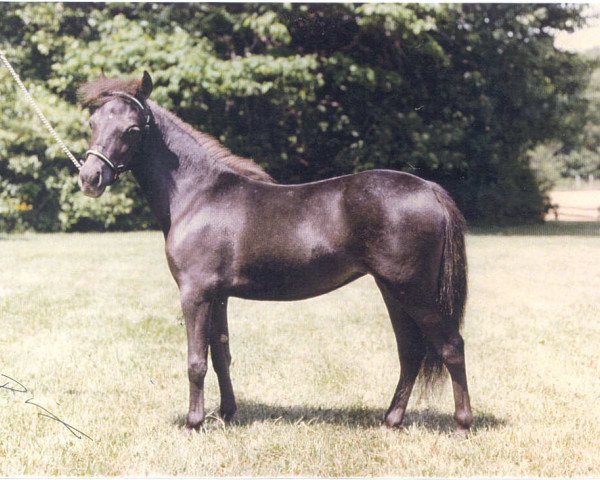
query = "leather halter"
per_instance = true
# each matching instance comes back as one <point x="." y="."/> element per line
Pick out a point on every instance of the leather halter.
<point x="118" y="169"/>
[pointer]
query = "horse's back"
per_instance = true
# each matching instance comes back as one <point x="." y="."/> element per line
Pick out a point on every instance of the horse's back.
<point x="387" y="200"/>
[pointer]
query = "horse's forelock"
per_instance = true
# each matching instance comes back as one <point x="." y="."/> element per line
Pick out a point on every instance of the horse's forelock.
<point x="95" y="92"/>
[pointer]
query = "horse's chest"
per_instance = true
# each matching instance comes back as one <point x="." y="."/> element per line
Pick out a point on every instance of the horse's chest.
<point x="203" y="248"/>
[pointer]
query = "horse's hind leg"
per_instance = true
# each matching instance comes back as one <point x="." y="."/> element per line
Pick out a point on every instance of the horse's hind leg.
<point x="411" y="350"/>
<point x="449" y="346"/>
<point x="221" y="357"/>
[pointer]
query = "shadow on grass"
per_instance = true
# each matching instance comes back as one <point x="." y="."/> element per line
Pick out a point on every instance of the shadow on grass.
<point x="435" y="421"/>
<point x="250" y="413"/>
<point x="547" y="229"/>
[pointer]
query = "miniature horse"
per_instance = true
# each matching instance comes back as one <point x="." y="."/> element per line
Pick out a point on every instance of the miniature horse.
<point x="231" y="231"/>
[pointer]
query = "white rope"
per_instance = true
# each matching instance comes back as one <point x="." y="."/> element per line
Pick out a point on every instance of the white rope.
<point x="38" y="111"/>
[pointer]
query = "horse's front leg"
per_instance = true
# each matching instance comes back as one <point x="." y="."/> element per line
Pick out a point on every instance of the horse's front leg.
<point x="221" y="357"/>
<point x="197" y="311"/>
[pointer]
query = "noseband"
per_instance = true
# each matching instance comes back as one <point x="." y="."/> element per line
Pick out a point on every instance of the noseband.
<point x="118" y="169"/>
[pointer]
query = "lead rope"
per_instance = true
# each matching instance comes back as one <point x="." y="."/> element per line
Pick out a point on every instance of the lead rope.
<point x="39" y="112"/>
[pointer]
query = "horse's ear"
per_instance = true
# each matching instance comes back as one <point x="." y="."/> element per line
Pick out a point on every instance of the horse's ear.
<point x="145" y="88"/>
<point x="102" y="74"/>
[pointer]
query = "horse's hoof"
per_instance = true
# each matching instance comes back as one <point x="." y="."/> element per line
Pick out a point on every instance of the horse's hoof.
<point x="392" y="425"/>
<point x="189" y="432"/>
<point x="393" y="420"/>
<point x="227" y="415"/>
<point x="194" y="422"/>
<point x="461" y="433"/>
<point x="227" y="409"/>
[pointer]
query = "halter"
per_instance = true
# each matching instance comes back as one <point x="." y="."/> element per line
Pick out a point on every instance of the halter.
<point x="118" y="169"/>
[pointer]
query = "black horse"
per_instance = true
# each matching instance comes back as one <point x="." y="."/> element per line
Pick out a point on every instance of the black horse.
<point x="230" y="230"/>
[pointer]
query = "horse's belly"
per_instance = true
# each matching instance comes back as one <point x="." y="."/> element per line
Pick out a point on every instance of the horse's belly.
<point x="289" y="281"/>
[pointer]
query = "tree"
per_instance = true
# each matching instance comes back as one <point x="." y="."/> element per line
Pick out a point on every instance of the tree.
<point x="561" y="160"/>
<point x="454" y="93"/>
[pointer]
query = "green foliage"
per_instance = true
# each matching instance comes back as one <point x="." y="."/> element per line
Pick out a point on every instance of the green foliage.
<point x="454" y="93"/>
<point x="557" y="161"/>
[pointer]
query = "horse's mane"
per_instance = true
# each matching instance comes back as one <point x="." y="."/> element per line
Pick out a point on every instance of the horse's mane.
<point x="97" y="92"/>
<point x="216" y="151"/>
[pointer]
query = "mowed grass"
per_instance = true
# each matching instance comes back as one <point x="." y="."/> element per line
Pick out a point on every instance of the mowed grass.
<point x="91" y="326"/>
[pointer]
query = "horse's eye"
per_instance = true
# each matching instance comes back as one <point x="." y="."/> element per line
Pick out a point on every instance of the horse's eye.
<point x="90" y="124"/>
<point x="132" y="134"/>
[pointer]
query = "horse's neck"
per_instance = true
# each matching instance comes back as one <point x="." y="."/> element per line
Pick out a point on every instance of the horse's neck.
<point x="171" y="170"/>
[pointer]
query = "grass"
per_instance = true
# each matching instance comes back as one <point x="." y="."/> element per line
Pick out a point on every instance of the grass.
<point x="91" y="326"/>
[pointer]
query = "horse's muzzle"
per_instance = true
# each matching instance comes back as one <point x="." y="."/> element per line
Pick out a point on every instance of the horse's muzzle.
<point x="93" y="179"/>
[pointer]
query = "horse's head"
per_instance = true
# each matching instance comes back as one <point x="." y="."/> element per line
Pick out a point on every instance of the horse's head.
<point x="119" y="120"/>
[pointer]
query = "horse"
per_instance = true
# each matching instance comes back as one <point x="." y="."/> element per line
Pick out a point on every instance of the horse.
<point x="231" y="230"/>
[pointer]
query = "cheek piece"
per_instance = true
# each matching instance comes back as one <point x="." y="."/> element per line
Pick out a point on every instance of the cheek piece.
<point x="118" y="169"/>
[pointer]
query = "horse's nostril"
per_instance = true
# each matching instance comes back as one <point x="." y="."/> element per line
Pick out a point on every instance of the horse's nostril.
<point x="90" y="179"/>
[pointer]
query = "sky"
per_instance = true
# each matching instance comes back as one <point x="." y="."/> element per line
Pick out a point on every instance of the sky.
<point x="584" y="39"/>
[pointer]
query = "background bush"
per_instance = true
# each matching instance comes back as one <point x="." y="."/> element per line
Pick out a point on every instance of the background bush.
<point x="458" y="94"/>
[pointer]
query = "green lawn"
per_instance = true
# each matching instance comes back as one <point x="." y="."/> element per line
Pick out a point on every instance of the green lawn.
<point x="90" y="325"/>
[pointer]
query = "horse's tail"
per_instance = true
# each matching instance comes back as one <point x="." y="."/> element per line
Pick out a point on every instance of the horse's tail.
<point x="452" y="282"/>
